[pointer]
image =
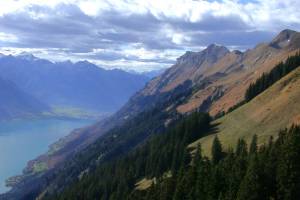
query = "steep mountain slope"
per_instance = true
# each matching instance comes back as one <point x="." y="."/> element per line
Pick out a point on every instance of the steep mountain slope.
<point x="246" y="68"/>
<point x="66" y="85"/>
<point x="14" y="103"/>
<point x="188" y="68"/>
<point x="273" y="110"/>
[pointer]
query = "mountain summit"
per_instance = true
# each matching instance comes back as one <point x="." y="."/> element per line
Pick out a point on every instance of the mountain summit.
<point x="286" y="39"/>
<point x="212" y="53"/>
<point x="189" y="66"/>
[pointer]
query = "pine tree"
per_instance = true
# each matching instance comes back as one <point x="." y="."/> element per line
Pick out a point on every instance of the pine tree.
<point x="216" y="151"/>
<point x="270" y="159"/>
<point x="202" y="179"/>
<point x="251" y="187"/>
<point x="241" y="148"/>
<point x="289" y="166"/>
<point x="181" y="187"/>
<point x="253" y="145"/>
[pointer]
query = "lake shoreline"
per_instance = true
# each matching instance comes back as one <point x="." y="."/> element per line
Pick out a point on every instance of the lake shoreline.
<point x="38" y="137"/>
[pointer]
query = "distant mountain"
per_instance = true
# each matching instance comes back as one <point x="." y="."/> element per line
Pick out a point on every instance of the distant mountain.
<point x="67" y="85"/>
<point x="153" y="73"/>
<point x="150" y="74"/>
<point x="14" y="103"/>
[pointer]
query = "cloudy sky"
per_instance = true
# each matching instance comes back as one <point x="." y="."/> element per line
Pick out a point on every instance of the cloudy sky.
<point x="138" y="35"/>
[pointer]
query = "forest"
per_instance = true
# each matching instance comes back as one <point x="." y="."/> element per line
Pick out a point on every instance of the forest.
<point x="269" y="171"/>
<point x="161" y="153"/>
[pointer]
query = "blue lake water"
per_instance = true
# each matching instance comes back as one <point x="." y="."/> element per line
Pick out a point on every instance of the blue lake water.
<point x="24" y="140"/>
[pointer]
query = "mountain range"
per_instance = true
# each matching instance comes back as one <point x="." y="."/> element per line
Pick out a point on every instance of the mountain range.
<point x="213" y="80"/>
<point x="15" y="103"/>
<point x="68" y="88"/>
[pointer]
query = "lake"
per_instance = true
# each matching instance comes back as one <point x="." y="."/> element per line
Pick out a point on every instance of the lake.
<point x="24" y="140"/>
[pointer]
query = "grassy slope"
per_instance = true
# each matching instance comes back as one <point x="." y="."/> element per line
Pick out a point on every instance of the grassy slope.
<point x="274" y="109"/>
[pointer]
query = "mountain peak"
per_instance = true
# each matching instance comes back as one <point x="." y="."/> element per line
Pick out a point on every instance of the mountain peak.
<point x="27" y="56"/>
<point x="84" y="63"/>
<point x="212" y="53"/>
<point x="215" y="47"/>
<point x="287" y="32"/>
<point x="216" y="50"/>
<point x="284" y="38"/>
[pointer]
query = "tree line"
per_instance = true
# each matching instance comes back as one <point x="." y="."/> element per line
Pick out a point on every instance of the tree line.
<point x="268" y="79"/>
<point x="265" y="81"/>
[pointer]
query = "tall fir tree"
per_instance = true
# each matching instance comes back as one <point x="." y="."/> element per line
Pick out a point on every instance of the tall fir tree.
<point x="216" y="151"/>
<point x="251" y="187"/>
<point x="253" y="145"/>
<point x="289" y="166"/>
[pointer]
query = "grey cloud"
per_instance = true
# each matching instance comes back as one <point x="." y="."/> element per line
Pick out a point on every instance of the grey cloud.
<point x="133" y="22"/>
<point x="234" y="38"/>
<point x="115" y="56"/>
<point x="211" y="23"/>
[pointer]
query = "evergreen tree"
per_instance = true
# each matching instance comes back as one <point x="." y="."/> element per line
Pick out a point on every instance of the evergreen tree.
<point x="241" y="148"/>
<point x="289" y="166"/>
<point x="253" y="145"/>
<point x="251" y="187"/>
<point x="216" y="151"/>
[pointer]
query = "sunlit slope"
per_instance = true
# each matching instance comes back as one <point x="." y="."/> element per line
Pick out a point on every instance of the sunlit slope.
<point x="274" y="109"/>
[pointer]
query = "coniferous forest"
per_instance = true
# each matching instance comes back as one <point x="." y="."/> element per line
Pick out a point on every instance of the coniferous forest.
<point x="269" y="171"/>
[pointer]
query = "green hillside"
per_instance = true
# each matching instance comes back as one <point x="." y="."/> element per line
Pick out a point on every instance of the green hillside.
<point x="274" y="109"/>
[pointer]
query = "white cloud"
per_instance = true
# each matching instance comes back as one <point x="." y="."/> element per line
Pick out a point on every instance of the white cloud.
<point x="7" y="37"/>
<point x="259" y="13"/>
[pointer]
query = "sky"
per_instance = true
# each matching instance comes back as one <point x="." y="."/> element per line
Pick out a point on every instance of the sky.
<point x="140" y="35"/>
